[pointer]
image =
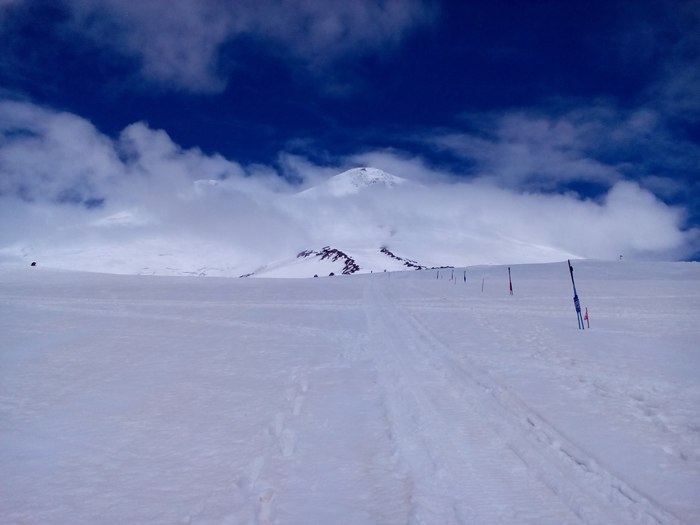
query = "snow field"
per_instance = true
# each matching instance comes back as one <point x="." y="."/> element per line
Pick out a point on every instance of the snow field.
<point x="388" y="398"/>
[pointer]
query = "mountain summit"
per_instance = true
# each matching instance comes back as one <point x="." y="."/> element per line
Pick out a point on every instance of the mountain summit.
<point x="353" y="181"/>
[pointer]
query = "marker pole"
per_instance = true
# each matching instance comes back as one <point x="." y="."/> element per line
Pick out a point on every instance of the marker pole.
<point x="577" y="304"/>
<point x="510" y="282"/>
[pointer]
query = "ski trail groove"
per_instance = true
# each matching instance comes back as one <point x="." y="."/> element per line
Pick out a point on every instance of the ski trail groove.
<point x="444" y="446"/>
<point x="590" y="492"/>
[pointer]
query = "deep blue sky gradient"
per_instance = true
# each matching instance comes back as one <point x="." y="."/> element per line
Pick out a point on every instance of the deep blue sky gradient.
<point x="478" y="57"/>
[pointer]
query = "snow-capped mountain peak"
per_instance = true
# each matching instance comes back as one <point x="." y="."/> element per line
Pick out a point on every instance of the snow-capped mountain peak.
<point x="355" y="180"/>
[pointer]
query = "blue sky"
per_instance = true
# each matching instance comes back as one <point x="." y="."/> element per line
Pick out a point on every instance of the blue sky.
<point x="549" y="97"/>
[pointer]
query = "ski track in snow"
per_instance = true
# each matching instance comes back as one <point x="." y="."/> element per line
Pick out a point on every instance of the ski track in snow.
<point x="605" y="383"/>
<point x="326" y="401"/>
<point x="456" y="426"/>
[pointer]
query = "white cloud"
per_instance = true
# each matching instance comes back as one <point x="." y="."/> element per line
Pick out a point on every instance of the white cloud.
<point x="165" y="205"/>
<point x="536" y="151"/>
<point x="179" y="42"/>
<point x="53" y="155"/>
<point x="298" y="168"/>
<point x="147" y="183"/>
<point x="548" y="151"/>
<point x="655" y="223"/>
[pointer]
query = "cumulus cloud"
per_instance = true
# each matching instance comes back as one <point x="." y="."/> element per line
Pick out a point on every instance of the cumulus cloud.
<point x="182" y="43"/>
<point x="67" y="187"/>
<point x="53" y="155"/>
<point x="140" y="201"/>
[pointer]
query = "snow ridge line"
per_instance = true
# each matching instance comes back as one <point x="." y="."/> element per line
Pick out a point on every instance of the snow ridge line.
<point x="546" y="443"/>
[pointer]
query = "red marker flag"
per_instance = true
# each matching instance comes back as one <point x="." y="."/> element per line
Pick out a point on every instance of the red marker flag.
<point x="585" y="317"/>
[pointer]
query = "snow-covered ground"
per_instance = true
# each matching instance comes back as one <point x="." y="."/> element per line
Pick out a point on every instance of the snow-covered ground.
<point x="388" y="398"/>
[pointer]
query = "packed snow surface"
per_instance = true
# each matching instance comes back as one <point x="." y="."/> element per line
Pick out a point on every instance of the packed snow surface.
<point x="390" y="398"/>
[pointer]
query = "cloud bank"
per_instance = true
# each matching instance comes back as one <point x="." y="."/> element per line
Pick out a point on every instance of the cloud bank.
<point x="72" y="197"/>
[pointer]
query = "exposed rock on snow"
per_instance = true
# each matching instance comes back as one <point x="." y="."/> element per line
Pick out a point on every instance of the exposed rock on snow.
<point x="350" y="266"/>
<point x="408" y="263"/>
<point x="308" y="263"/>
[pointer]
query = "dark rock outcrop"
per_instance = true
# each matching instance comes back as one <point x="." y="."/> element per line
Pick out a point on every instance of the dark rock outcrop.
<point x="406" y="262"/>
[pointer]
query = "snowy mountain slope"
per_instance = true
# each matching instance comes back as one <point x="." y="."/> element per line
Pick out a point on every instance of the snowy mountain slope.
<point x="309" y="263"/>
<point x="393" y="398"/>
<point x="353" y="181"/>
<point x="328" y="260"/>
